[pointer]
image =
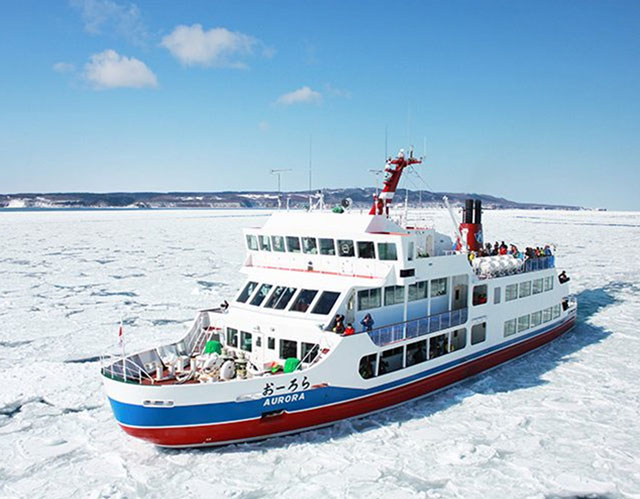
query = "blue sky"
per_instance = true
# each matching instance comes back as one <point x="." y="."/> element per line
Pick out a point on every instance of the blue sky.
<point x="534" y="101"/>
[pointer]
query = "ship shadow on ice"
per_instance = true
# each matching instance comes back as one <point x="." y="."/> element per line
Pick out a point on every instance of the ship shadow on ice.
<point x="521" y="373"/>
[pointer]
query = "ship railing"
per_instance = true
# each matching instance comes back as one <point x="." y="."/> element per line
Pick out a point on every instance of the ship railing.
<point x="418" y="327"/>
<point x="524" y="266"/>
<point x="127" y="369"/>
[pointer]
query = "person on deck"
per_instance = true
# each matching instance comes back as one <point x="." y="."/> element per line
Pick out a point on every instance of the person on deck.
<point x="367" y="322"/>
<point x="349" y="330"/>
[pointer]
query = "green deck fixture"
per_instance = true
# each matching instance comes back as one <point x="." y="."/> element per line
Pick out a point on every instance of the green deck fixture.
<point x="291" y="364"/>
<point x="213" y="346"/>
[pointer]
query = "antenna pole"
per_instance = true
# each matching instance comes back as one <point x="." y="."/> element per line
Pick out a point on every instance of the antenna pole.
<point x="310" y="156"/>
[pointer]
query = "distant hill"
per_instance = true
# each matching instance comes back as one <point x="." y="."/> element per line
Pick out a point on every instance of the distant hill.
<point x="361" y="197"/>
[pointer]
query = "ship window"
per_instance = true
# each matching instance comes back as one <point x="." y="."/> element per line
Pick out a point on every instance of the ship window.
<point x="416" y="353"/>
<point x="418" y="290"/>
<point x="369" y="298"/>
<point x="478" y="333"/>
<point x="458" y="339"/>
<point x="438" y="345"/>
<point x="556" y="311"/>
<point x="283" y="301"/>
<point x="247" y="291"/>
<point x="548" y="283"/>
<point x="393" y="295"/>
<point x="523" y="323"/>
<point x="367" y="367"/>
<point x="288" y="349"/>
<point x="525" y="289"/>
<point x="252" y="242"/>
<point x="345" y="247"/>
<point x="232" y="337"/>
<point x="546" y="314"/>
<point x="496" y="295"/>
<point x="265" y="244"/>
<point x="271" y="343"/>
<point x="480" y="294"/>
<point x="439" y="287"/>
<point x="537" y="286"/>
<point x="536" y="318"/>
<point x="309" y="245"/>
<point x="325" y="303"/>
<point x="245" y="341"/>
<point x="327" y="247"/>
<point x="510" y="292"/>
<point x="509" y="327"/>
<point x="387" y="251"/>
<point x="411" y="251"/>
<point x="258" y="341"/>
<point x="277" y="243"/>
<point x="304" y="299"/>
<point x="293" y="244"/>
<point x="366" y="249"/>
<point x="261" y="294"/>
<point x="391" y="360"/>
<point x="308" y="351"/>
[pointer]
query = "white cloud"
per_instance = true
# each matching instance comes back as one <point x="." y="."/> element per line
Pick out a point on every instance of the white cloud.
<point x="63" y="67"/>
<point x="300" y="96"/>
<point x="337" y="92"/>
<point x="216" y="47"/>
<point x="109" y="69"/>
<point x="264" y="126"/>
<point x="108" y="16"/>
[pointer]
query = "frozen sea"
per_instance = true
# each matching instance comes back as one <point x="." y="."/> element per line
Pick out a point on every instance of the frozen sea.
<point x="563" y="421"/>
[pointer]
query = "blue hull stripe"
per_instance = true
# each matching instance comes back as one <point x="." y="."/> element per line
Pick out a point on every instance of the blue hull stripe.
<point x="228" y="412"/>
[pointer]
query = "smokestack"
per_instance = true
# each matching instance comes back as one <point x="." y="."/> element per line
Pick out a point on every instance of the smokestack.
<point x="478" y="208"/>
<point x="468" y="211"/>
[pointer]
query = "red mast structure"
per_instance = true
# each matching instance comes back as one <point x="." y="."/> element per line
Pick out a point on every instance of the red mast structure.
<point x="393" y="172"/>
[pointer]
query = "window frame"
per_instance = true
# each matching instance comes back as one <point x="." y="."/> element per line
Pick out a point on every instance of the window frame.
<point x="383" y="255"/>
<point x="299" y="295"/>
<point x="249" y="294"/>
<point x="262" y="238"/>
<point x="371" y="245"/>
<point x="252" y="238"/>
<point x="274" y="245"/>
<point x="292" y="241"/>
<point x="524" y="285"/>
<point x="435" y="282"/>
<point x="510" y="327"/>
<point x="268" y="287"/>
<point x="311" y="250"/>
<point x="349" y="244"/>
<point x="509" y="294"/>
<point x="322" y="250"/>
<point x="318" y="301"/>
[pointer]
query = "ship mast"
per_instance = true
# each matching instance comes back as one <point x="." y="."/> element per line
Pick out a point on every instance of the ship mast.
<point x="393" y="172"/>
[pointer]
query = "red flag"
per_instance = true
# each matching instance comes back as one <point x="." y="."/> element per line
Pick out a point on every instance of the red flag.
<point x="120" y="336"/>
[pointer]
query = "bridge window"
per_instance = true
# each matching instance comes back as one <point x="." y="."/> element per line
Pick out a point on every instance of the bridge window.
<point x="293" y="244"/>
<point x="327" y="247"/>
<point x="261" y="294"/>
<point x="393" y="295"/>
<point x="439" y="287"/>
<point x="458" y="339"/>
<point x="288" y="349"/>
<point x="232" y="337"/>
<point x="280" y="297"/>
<point x="478" y="333"/>
<point x="309" y="245"/>
<point x="304" y="299"/>
<point x="308" y="351"/>
<point x="510" y="328"/>
<point x="438" y="345"/>
<point x="345" y="247"/>
<point x="247" y="291"/>
<point x="525" y="289"/>
<point x="366" y="249"/>
<point x="245" y="341"/>
<point x="546" y="314"/>
<point x="480" y="294"/>
<point x="536" y="318"/>
<point x="277" y="243"/>
<point x="391" y="360"/>
<point x="537" y="286"/>
<point x="367" y="368"/>
<point x="387" y="251"/>
<point x="548" y="283"/>
<point x="325" y="303"/>
<point x="252" y="242"/>
<point x="418" y="290"/>
<point x="523" y="323"/>
<point x="265" y="244"/>
<point x="510" y="292"/>
<point x="369" y="298"/>
<point x="416" y="353"/>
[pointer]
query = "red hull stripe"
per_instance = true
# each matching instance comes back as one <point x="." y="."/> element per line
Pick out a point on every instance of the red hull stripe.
<point x="297" y="421"/>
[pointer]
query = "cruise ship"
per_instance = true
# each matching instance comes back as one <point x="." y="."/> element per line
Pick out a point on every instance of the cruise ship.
<point x="341" y="314"/>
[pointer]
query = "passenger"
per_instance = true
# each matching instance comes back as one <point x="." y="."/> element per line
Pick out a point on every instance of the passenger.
<point x="339" y="327"/>
<point x="224" y="305"/>
<point x="349" y="330"/>
<point x="496" y="249"/>
<point x="547" y="250"/>
<point x="472" y="255"/>
<point x="367" y="322"/>
<point x="563" y="277"/>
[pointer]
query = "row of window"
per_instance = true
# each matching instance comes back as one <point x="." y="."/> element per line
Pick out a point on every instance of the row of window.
<point x="400" y="357"/>
<point x="278" y="297"/>
<point x="322" y="246"/>
<point x="288" y="348"/>
<point x="527" y="288"/>
<point x="527" y="321"/>
<point x="372" y="298"/>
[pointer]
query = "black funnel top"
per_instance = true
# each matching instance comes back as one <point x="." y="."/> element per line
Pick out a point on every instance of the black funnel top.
<point x="478" y="212"/>
<point x="468" y="211"/>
